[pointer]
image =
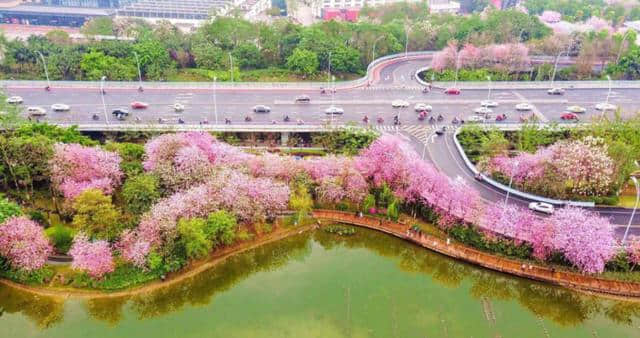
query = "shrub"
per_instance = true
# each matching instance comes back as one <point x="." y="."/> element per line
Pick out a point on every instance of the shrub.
<point x="95" y="258"/>
<point x="96" y="215"/>
<point x="8" y="209"/>
<point x="221" y="227"/>
<point x="61" y="236"/>
<point x="192" y="237"/>
<point x="140" y="192"/>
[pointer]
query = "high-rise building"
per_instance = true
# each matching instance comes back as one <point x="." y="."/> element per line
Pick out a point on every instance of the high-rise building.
<point x="436" y="6"/>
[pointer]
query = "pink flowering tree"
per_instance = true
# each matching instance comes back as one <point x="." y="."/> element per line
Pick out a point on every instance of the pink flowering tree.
<point x="633" y="249"/>
<point x="248" y="198"/>
<point x="76" y="168"/>
<point x="184" y="159"/>
<point x="586" y="239"/>
<point x="24" y="244"/>
<point x="446" y="58"/>
<point x="95" y="257"/>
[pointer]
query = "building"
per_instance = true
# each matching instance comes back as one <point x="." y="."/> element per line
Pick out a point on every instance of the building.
<point x="348" y="14"/>
<point x="50" y="16"/>
<point x="444" y="6"/>
<point x="319" y="7"/>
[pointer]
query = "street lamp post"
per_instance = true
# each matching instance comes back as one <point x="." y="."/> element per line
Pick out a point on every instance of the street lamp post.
<point x="455" y="83"/>
<point x="609" y="92"/>
<point x="622" y="45"/>
<point x="215" y="101"/>
<point x="231" y="65"/>
<point x="555" y="67"/>
<point x="139" y="72"/>
<point x="46" y="71"/>
<point x="515" y="166"/>
<point x="104" y="106"/>
<point x="373" y="50"/>
<point x="633" y="213"/>
<point x="490" y="85"/>
<point x="333" y="91"/>
<point x="406" y="41"/>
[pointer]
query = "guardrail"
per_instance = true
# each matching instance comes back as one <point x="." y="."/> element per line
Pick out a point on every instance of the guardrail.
<point x="219" y="85"/>
<point x="270" y="128"/>
<point x="512" y="191"/>
<point x="540" y="84"/>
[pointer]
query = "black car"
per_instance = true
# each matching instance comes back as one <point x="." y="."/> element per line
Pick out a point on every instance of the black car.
<point x="303" y="99"/>
<point x="120" y="114"/>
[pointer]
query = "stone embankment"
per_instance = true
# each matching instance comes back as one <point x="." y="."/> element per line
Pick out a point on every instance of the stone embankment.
<point x="567" y="279"/>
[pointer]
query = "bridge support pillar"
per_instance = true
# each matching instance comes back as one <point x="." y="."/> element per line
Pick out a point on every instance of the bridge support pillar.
<point x="284" y="138"/>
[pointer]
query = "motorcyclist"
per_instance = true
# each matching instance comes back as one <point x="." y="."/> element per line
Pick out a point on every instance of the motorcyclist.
<point x="365" y="119"/>
<point x="95" y="117"/>
<point x="286" y="118"/>
<point x="247" y="119"/>
<point x="440" y="118"/>
<point x="180" y="121"/>
<point x="227" y="120"/>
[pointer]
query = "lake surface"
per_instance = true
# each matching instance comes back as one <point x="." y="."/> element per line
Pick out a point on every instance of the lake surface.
<point x="321" y="285"/>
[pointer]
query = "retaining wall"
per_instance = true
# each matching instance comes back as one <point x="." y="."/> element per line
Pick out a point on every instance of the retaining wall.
<point x="536" y="272"/>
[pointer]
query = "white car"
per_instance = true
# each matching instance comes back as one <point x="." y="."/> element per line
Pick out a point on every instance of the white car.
<point x="576" y="109"/>
<point x="489" y="103"/>
<point x="399" y="104"/>
<point x="261" y="109"/>
<point x="475" y="118"/>
<point x="606" y="106"/>
<point x="178" y="107"/>
<point x="555" y="91"/>
<point x="523" y="107"/>
<point x="14" y="100"/>
<point x="541" y="207"/>
<point x="36" y="111"/>
<point x="419" y="107"/>
<point x="60" y="107"/>
<point x="483" y="110"/>
<point x="334" y="110"/>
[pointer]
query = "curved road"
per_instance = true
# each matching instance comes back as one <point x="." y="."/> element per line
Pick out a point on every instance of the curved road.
<point x="389" y="80"/>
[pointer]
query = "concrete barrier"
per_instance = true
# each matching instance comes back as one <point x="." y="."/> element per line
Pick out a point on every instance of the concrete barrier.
<point x="512" y="191"/>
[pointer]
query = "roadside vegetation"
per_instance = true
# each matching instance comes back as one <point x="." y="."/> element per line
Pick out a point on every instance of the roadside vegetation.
<point x="591" y="162"/>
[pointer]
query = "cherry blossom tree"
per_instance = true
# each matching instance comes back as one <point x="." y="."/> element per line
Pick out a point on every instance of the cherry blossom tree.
<point x="94" y="257"/>
<point x="633" y="248"/>
<point x="586" y="239"/>
<point x="75" y="168"/>
<point x="24" y="244"/>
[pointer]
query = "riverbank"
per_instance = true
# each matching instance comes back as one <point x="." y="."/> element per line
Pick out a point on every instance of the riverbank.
<point x="584" y="283"/>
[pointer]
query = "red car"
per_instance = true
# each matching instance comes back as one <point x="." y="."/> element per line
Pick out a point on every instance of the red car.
<point x="501" y="117"/>
<point x="139" y="105"/>
<point x="569" y="116"/>
<point x="452" y="91"/>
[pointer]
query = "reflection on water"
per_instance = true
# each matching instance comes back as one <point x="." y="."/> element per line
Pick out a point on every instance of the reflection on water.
<point x="369" y="284"/>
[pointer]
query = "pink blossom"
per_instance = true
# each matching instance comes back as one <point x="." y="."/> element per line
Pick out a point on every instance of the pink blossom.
<point x="598" y="24"/>
<point x="633" y="248"/>
<point x="24" y="244"/>
<point x="75" y="168"/>
<point x="93" y="257"/>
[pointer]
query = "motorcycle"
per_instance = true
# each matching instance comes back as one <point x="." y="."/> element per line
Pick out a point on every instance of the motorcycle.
<point x="432" y="119"/>
<point x="47" y="88"/>
<point x="396" y="121"/>
<point x="274" y="122"/>
<point x="455" y="120"/>
<point x="204" y="121"/>
<point x="137" y="119"/>
<point x="227" y="121"/>
<point x="180" y="121"/>
<point x="104" y="92"/>
<point x="161" y="120"/>
<point x="425" y="90"/>
<point x="300" y="122"/>
<point x="440" y="118"/>
<point x="286" y="118"/>
<point x="365" y="120"/>
<point x="140" y="89"/>
<point x="380" y="120"/>
<point x="323" y="91"/>
<point x="95" y="117"/>
<point x="247" y="119"/>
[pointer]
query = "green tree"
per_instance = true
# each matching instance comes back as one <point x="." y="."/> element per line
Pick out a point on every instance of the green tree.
<point x="95" y="65"/>
<point x="24" y="160"/>
<point x="192" y="237"/>
<point x="131" y="154"/>
<point x="393" y="210"/>
<point x="140" y="193"/>
<point x="247" y="56"/>
<point x="98" y="26"/>
<point x="303" y="62"/>
<point x="8" y="209"/>
<point x="58" y="37"/>
<point x="155" y="61"/>
<point x="221" y="227"/>
<point x="95" y="215"/>
<point x="300" y="201"/>
<point x="368" y="203"/>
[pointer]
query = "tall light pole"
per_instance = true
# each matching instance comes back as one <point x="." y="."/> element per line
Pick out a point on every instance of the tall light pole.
<point x="490" y="85"/>
<point x="515" y="166"/>
<point x="555" y="66"/>
<point x="104" y="106"/>
<point x="633" y="213"/>
<point x="622" y="45"/>
<point x="329" y="72"/>
<point x="333" y="90"/>
<point x="215" y="101"/>
<point x="406" y="41"/>
<point x="373" y="50"/>
<point x="609" y="92"/>
<point x="231" y="65"/>
<point x="139" y="72"/>
<point x="46" y="71"/>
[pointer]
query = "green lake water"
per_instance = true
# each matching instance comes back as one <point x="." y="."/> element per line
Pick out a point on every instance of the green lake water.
<point x="321" y="285"/>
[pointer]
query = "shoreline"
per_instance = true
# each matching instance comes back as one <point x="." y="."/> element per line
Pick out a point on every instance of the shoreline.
<point x="591" y="285"/>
